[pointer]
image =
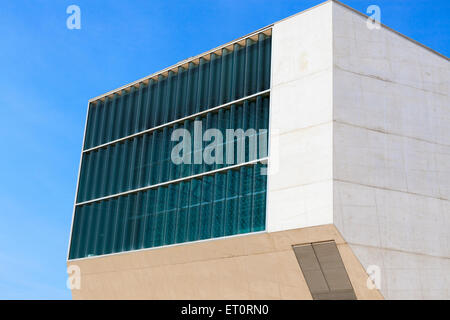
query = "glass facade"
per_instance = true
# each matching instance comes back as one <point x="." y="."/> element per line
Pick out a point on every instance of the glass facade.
<point x="146" y="159"/>
<point x="131" y="195"/>
<point x="233" y="75"/>
<point x="216" y="205"/>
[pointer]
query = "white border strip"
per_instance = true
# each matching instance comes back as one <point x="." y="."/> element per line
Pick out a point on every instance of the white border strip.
<point x="179" y="120"/>
<point x="173" y="181"/>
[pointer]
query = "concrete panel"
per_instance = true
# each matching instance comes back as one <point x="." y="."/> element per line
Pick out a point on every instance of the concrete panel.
<point x="302" y="45"/>
<point x="390" y="161"/>
<point x="407" y="275"/>
<point x="301" y="206"/>
<point x="391" y="219"/>
<point x="299" y="191"/>
<point x="302" y="103"/>
<point x="385" y="55"/>
<point x="229" y="272"/>
<point x="305" y="156"/>
<point x="391" y="149"/>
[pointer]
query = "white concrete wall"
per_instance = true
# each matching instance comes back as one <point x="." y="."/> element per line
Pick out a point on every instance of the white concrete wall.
<point x="391" y="150"/>
<point x="300" y="191"/>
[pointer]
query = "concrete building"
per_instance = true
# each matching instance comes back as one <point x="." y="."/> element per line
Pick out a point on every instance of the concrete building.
<point x="358" y="172"/>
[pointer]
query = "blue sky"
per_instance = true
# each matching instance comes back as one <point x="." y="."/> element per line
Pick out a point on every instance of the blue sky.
<point x="48" y="73"/>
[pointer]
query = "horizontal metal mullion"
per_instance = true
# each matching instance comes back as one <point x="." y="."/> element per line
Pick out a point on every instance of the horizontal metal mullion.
<point x="174" y="181"/>
<point x="265" y="92"/>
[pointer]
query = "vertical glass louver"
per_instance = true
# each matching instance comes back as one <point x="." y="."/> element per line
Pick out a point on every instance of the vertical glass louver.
<point x="130" y="193"/>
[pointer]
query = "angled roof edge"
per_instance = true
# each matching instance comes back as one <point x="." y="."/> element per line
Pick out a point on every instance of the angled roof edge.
<point x="249" y="35"/>
<point x="390" y="29"/>
<point x="366" y="16"/>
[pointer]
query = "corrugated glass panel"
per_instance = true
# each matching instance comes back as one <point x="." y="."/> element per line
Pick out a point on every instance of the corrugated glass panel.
<point x="230" y="76"/>
<point x="224" y="203"/>
<point x="146" y="159"/>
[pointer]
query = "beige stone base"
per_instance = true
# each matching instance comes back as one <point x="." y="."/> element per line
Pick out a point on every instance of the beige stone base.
<point x="259" y="266"/>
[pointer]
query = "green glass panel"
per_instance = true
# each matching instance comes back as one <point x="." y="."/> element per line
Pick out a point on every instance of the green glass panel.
<point x="113" y="227"/>
<point x="206" y="207"/>
<point x="145" y="173"/>
<point x="259" y="201"/>
<point x="218" y="207"/>
<point x="132" y="163"/>
<point x="194" y="210"/>
<point x="138" y="108"/>
<point x="107" y="223"/>
<point x="156" y="149"/>
<point x="100" y="231"/>
<point x="112" y="119"/>
<point x="143" y="217"/>
<point x="240" y="72"/>
<point x="121" y="224"/>
<point x="232" y="75"/>
<point x="119" y="123"/>
<point x="89" y="126"/>
<point x="225" y="203"/>
<point x="267" y="62"/>
<point x="105" y="172"/>
<point x="222" y="85"/>
<point x="150" y="226"/>
<point x="131" y="213"/>
<point x="214" y="81"/>
<point x="164" y="161"/>
<point x="83" y="175"/>
<point x="112" y="169"/>
<point x="80" y="232"/>
<point x="107" y="111"/>
<point x="96" y="124"/>
<point x="245" y="200"/>
<point x="89" y="184"/>
<point x="137" y="167"/>
<point x="146" y="159"/>
<point x="137" y="221"/>
<point x="171" y="214"/>
<point x="158" y="238"/>
<point x="202" y="93"/>
<point x="183" y="211"/>
<point x="91" y="226"/>
<point x="131" y="110"/>
<point x="180" y="94"/>
<point x="76" y="232"/>
<point x="232" y="202"/>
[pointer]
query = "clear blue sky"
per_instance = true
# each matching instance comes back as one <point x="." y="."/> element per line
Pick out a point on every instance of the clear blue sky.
<point x="48" y="73"/>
